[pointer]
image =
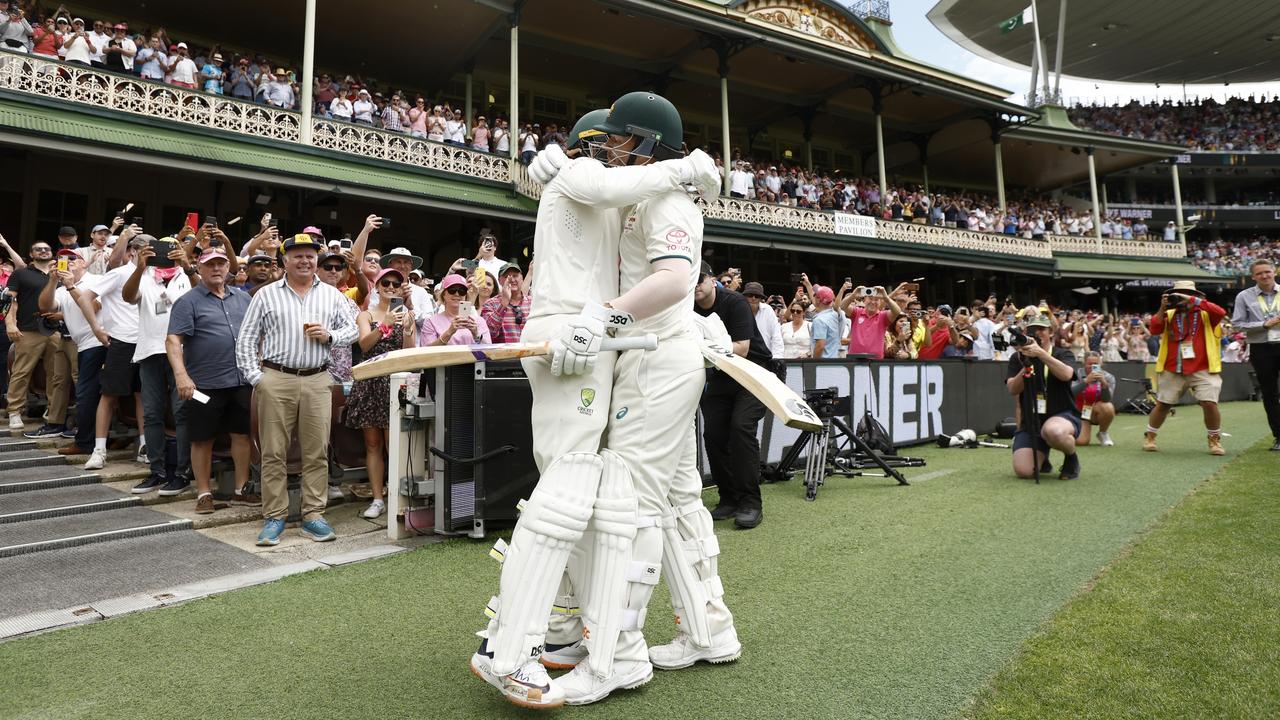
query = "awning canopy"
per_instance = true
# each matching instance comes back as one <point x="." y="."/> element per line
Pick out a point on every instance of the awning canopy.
<point x="1146" y="41"/>
<point x="1134" y="269"/>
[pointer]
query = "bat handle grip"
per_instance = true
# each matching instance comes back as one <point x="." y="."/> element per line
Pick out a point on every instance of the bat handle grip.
<point x="648" y="341"/>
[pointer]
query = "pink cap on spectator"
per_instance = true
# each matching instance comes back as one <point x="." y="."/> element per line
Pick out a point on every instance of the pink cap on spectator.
<point x="823" y="294"/>
<point x="212" y="253"/>
<point x="312" y="230"/>
<point x="451" y="280"/>
<point x="387" y="271"/>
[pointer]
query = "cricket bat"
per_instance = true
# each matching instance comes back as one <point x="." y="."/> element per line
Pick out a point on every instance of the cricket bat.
<point x="780" y="399"/>
<point x="423" y="358"/>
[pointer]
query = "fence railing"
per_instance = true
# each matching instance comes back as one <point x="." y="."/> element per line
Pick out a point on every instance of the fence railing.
<point x="1088" y="245"/>
<point x="93" y="87"/>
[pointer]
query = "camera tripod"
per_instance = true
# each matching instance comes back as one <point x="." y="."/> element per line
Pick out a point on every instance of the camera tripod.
<point x="851" y="456"/>
<point x="1146" y="402"/>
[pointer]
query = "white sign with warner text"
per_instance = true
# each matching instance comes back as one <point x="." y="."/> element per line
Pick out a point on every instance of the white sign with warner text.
<point x="858" y="225"/>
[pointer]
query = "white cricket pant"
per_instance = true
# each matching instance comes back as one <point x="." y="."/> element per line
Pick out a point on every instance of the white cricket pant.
<point x="564" y="421"/>
<point x="655" y="397"/>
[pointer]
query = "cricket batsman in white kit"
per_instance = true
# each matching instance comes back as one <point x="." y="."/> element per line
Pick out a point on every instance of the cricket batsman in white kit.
<point x="649" y="444"/>
<point x="576" y="249"/>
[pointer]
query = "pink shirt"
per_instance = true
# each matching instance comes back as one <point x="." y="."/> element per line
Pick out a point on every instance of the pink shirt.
<point x="418" y="120"/>
<point x="436" y="325"/>
<point x="866" y="332"/>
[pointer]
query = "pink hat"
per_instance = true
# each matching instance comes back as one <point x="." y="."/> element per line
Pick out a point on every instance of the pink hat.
<point x="823" y="294"/>
<point x="387" y="271"/>
<point x="212" y="253"/>
<point x="452" y="280"/>
<point x="312" y="230"/>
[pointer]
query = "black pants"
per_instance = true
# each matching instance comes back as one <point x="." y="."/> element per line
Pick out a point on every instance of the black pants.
<point x="730" y="421"/>
<point x="1265" y="358"/>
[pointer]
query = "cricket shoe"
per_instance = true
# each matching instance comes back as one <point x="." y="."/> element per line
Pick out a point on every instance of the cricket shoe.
<point x="582" y="687"/>
<point x="564" y="657"/>
<point x="529" y="686"/>
<point x="682" y="652"/>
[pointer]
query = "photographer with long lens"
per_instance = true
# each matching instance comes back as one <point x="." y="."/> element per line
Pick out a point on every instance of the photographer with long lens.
<point x="1041" y="375"/>
<point x="1190" y="359"/>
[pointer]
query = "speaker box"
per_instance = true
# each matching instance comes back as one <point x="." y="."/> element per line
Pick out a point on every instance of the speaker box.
<point x="486" y="430"/>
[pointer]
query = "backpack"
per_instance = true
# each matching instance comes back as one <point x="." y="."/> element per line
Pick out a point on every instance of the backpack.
<point x="871" y="432"/>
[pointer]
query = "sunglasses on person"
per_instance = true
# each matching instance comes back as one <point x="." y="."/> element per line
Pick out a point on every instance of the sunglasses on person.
<point x="456" y="290"/>
<point x="393" y="284"/>
<point x="333" y="268"/>
<point x="371" y="258"/>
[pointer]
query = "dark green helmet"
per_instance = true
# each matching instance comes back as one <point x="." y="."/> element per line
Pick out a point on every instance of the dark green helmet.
<point x="585" y="128"/>
<point x="650" y="117"/>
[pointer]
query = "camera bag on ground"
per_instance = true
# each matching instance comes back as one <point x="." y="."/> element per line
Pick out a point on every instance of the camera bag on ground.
<point x="871" y="432"/>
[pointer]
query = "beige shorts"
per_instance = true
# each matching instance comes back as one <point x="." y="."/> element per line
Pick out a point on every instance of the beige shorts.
<point x="1204" y="386"/>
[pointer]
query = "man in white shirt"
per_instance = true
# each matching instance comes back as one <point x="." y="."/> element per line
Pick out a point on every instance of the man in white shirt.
<point x="152" y="61"/>
<point x="117" y="321"/>
<point x="60" y="297"/>
<point x="182" y="69"/>
<point x="363" y="108"/>
<point x="773" y="182"/>
<point x="766" y="318"/>
<point x="153" y="290"/>
<point x="95" y="254"/>
<point x="455" y="129"/>
<point x="278" y="91"/>
<point x="983" y="347"/>
<point x="739" y="181"/>
<point x="100" y="38"/>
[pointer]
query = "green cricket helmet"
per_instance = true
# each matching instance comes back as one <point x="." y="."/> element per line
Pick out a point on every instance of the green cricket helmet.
<point x="650" y="117"/>
<point x="585" y="128"/>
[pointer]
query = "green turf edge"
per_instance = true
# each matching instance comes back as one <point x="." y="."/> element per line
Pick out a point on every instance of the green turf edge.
<point x="1184" y="623"/>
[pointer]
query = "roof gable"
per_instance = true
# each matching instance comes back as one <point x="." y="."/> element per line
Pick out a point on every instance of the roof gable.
<point x="815" y="18"/>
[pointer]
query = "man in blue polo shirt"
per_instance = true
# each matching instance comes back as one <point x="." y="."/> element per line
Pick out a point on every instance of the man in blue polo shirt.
<point x="203" y="325"/>
<point x="828" y="327"/>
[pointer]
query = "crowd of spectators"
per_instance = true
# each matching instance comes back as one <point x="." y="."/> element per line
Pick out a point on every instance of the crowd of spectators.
<point x="875" y="322"/>
<point x="1028" y="217"/>
<point x="154" y="55"/>
<point x="1231" y="258"/>
<point x="115" y="323"/>
<point x="1239" y="124"/>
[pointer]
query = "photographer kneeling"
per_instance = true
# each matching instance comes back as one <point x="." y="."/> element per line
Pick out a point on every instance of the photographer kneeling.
<point x="1040" y="375"/>
<point x="1093" y="399"/>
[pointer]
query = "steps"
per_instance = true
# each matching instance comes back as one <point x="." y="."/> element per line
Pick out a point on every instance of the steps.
<point x="66" y="538"/>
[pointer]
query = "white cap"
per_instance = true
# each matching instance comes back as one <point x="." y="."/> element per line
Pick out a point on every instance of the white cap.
<point x="182" y="45"/>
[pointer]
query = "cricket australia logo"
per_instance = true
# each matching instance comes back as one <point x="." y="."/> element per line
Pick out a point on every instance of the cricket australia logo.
<point x="588" y="396"/>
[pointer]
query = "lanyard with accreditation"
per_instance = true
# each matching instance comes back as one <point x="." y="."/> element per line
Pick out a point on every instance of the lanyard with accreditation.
<point x="1270" y="310"/>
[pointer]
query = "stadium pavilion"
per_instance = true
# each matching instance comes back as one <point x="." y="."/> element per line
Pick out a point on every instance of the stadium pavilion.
<point x="802" y="81"/>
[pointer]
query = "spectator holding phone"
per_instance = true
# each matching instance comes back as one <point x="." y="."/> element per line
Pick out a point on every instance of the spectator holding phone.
<point x="387" y="325"/>
<point x="153" y="287"/>
<point x="797" y="342"/>
<point x="869" y="320"/>
<point x="507" y="312"/>
<point x="1093" y="393"/>
<point x="456" y="323"/>
<point x="826" y="328"/>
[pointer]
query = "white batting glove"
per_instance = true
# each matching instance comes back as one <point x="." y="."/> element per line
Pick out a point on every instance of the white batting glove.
<point x="575" y="351"/>
<point x="701" y="172"/>
<point x="546" y="164"/>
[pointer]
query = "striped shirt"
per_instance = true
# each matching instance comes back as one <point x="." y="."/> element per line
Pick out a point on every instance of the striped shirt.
<point x="274" y="322"/>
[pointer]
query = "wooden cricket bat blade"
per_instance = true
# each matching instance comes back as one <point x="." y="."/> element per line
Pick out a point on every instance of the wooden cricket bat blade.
<point x="423" y="358"/>
<point x="780" y="399"/>
<point x="433" y="356"/>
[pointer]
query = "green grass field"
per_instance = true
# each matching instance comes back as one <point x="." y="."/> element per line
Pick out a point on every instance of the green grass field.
<point x="874" y="602"/>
